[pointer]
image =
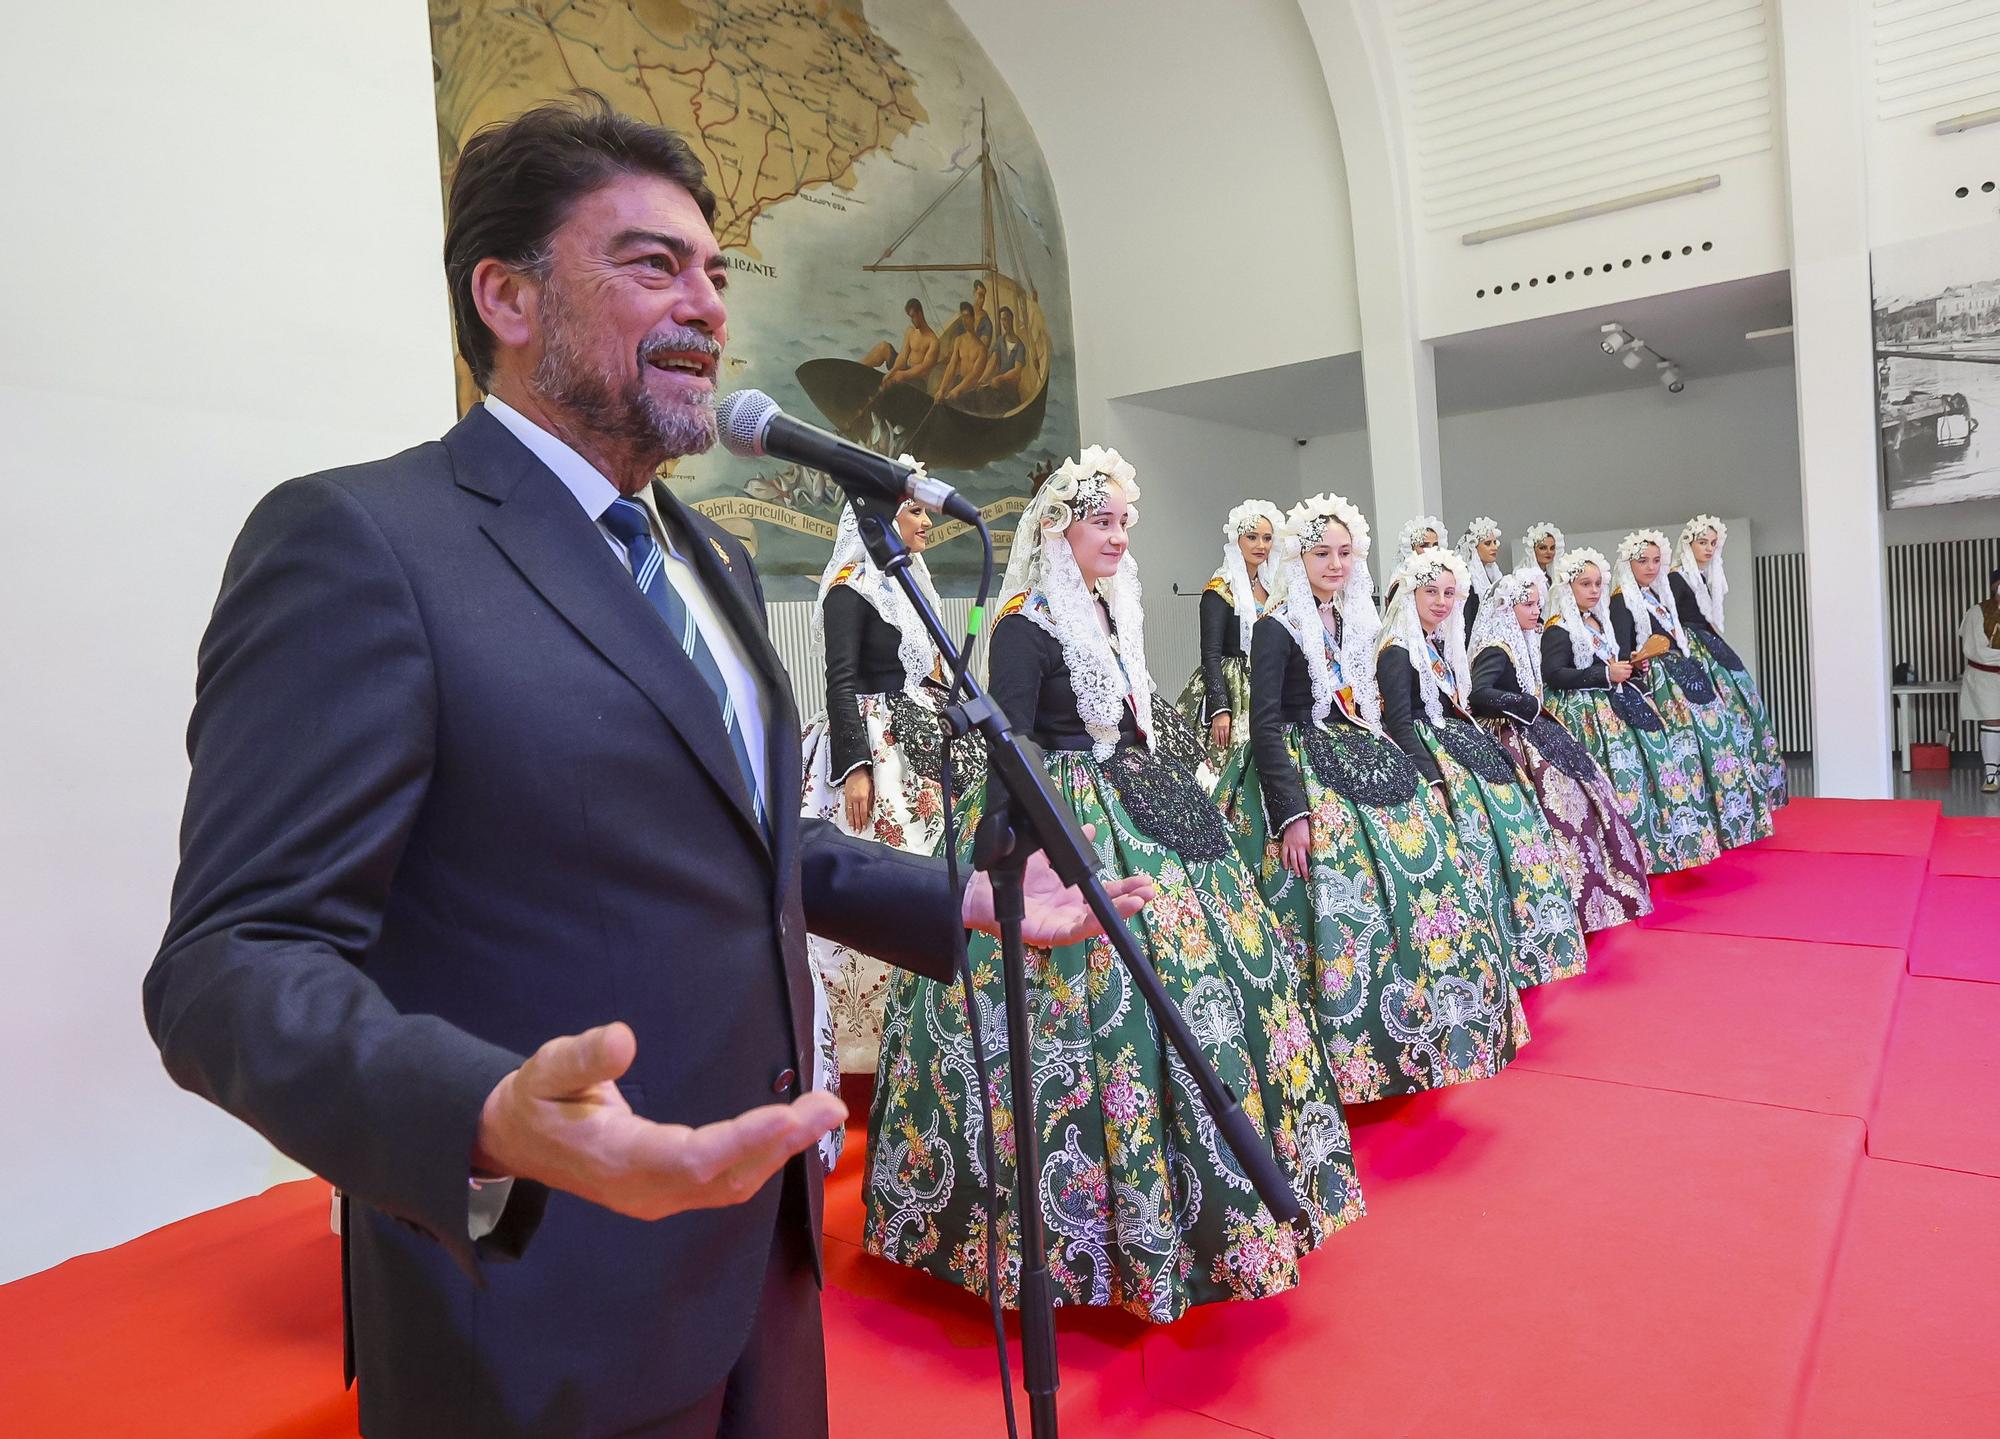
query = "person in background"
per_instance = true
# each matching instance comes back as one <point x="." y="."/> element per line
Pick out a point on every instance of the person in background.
<point x="1406" y="970"/>
<point x="1657" y="778"/>
<point x="1699" y="587"/>
<point x="1144" y="1212"/>
<point x="1541" y="546"/>
<point x="1426" y="708"/>
<point x="1603" y="857"/>
<point x="1422" y="533"/>
<point x="1216" y="700"/>
<point x="1644" y="619"/>
<point x="872" y="760"/>
<point x="1979" y="690"/>
<point x="1479" y="547"/>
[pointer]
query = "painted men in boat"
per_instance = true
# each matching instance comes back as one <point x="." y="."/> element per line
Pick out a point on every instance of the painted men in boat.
<point x="918" y="355"/>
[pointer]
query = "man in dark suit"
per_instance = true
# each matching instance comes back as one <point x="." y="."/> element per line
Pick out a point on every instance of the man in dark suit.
<point x="492" y="758"/>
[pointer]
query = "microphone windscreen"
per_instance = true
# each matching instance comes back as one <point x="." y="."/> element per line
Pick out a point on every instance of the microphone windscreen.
<point x="740" y="422"/>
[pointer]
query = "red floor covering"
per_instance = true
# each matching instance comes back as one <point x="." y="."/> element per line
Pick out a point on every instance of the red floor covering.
<point x="1957" y="934"/>
<point x="1967" y="846"/>
<point x="1667" y="1218"/>
<point x="1857" y="826"/>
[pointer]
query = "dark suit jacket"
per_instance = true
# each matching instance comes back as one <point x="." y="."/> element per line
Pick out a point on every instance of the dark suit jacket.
<point x="455" y="792"/>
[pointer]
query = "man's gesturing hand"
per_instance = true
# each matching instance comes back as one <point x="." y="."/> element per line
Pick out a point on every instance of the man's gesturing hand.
<point x="560" y="1120"/>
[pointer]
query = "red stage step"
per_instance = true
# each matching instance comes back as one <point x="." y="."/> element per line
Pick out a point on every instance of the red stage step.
<point x="1793" y="894"/>
<point x="1940" y="1100"/>
<point x="1967" y="846"/>
<point x="1856" y="826"/>
<point x="1774" y="1021"/>
<point x="1911" y="1332"/>
<point x="1958" y="929"/>
<point x="1545" y="1256"/>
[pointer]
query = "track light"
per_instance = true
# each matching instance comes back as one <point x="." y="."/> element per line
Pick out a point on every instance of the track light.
<point x="1615" y="338"/>
<point x="1670" y="376"/>
<point x="1634" y="356"/>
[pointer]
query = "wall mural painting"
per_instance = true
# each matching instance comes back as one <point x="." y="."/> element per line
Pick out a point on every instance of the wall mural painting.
<point x="899" y="270"/>
<point x="1937" y="366"/>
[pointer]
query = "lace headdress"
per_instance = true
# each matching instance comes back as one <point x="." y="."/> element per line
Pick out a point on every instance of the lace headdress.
<point x="914" y="646"/>
<point x="1709" y="584"/>
<point x="1412" y="534"/>
<point x="1537" y="532"/>
<point x="1644" y="621"/>
<point x="1304" y="528"/>
<point x="1484" y="575"/>
<point x="1404" y="627"/>
<point x="1236" y="574"/>
<point x="1582" y="648"/>
<point x="1042" y="567"/>
<point x="1497" y="624"/>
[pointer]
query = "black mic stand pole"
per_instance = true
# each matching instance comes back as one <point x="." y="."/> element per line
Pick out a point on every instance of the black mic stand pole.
<point x="1033" y="819"/>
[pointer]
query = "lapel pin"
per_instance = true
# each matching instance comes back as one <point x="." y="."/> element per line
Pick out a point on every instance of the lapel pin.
<point x="722" y="554"/>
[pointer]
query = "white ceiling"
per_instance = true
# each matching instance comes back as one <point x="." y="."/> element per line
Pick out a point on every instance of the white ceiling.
<point x="1555" y="357"/>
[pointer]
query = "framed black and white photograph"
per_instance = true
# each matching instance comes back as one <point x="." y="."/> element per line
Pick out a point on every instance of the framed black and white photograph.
<point x="1937" y="367"/>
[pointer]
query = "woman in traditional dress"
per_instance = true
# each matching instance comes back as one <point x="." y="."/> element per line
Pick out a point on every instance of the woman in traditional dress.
<point x="1699" y="586"/>
<point x="1642" y="608"/>
<point x="872" y="760"/>
<point x="1426" y="708"/>
<point x="1656" y="775"/>
<point x="1217" y="698"/>
<point x="1406" y="972"/>
<point x="1423" y="533"/>
<point x="1541" y="547"/>
<point x="1479" y="547"/>
<point x="1145" y="1208"/>
<point x="1603" y="858"/>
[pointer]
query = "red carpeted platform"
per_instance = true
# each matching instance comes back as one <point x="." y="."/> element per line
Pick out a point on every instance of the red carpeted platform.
<point x="1549" y="1256"/>
<point x="1940" y="1099"/>
<point x="1795" y="894"/>
<point x="1967" y="846"/>
<point x="1857" y="826"/>
<point x="1667" y="1219"/>
<point x="1910" y="1340"/>
<point x="1774" y="1021"/>
<point x="1957" y="933"/>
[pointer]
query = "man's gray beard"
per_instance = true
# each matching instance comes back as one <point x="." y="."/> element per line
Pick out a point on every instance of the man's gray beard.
<point x="633" y="418"/>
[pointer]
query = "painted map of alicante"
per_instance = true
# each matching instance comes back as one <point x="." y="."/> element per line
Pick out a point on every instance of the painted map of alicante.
<point x="900" y="273"/>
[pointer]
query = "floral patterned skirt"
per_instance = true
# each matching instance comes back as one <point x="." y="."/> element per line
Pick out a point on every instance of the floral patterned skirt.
<point x="1193" y="704"/>
<point x="1146" y="1209"/>
<point x="1501" y="825"/>
<point x="1603" y="860"/>
<point x="1405" y="973"/>
<point x="1736" y="788"/>
<point x="1656" y="777"/>
<point x="1750" y="721"/>
<point x="908" y="815"/>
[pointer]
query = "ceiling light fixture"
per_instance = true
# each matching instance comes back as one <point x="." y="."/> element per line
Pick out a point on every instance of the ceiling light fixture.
<point x="1670" y="376"/>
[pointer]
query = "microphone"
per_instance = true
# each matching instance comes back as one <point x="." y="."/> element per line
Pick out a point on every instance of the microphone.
<point x="751" y="425"/>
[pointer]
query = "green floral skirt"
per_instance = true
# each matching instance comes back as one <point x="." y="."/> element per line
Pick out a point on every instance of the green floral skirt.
<point x="1736" y="788"/>
<point x="1655" y="773"/>
<point x="1146" y="1208"/>
<point x="1499" y="821"/>
<point x="1406" y="975"/>
<point x="1750" y="722"/>
<point x="1193" y="703"/>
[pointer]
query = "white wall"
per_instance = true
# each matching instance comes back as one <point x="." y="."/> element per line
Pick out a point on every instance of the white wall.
<point x="1203" y="198"/>
<point x="229" y="277"/>
<point x="1727" y="445"/>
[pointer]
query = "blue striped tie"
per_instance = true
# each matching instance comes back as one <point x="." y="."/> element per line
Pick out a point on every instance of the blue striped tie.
<point x="628" y="520"/>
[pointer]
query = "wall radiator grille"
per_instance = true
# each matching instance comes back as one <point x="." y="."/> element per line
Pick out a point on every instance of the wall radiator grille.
<point x="1931" y="585"/>
<point x="1784" y="643"/>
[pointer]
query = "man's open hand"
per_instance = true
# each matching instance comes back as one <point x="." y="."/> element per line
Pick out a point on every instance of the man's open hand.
<point x="560" y="1120"/>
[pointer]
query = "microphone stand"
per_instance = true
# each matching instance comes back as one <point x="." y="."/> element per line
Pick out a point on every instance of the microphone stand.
<point x="1032" y="819"/>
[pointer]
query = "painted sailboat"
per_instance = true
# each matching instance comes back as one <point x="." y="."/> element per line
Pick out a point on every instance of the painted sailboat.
<point x="938" y="419"/>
